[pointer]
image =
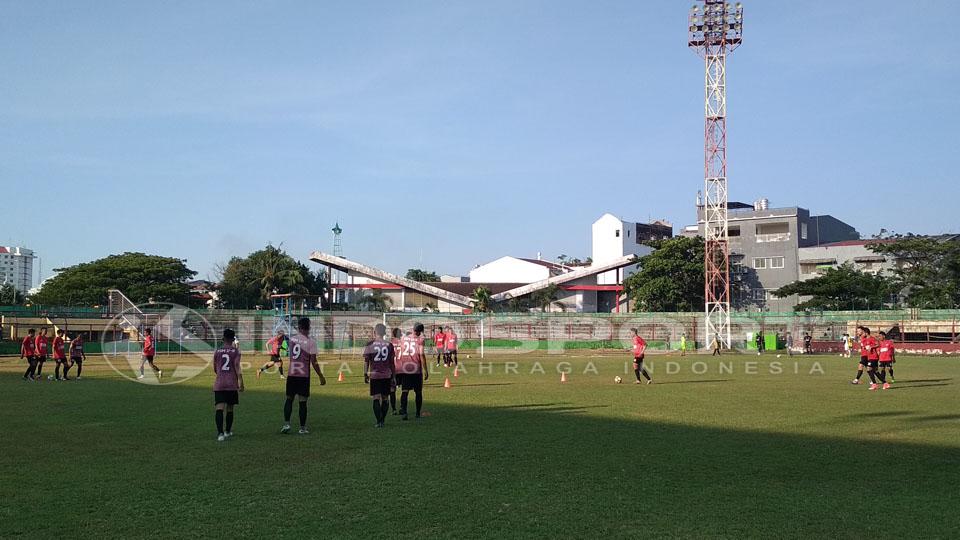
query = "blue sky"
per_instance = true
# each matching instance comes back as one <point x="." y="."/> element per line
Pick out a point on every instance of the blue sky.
<point x="445" y="134"/>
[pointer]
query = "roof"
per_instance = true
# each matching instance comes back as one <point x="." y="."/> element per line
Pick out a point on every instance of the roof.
<point x="548" y="264"/>
<point x="4" y="250"/>
<point x="350" y="266"/>
<point x="870" y="258"/>
<point x="819" y="261"/>
<point x="860" y="242"/>
<point x="591" y="270"/>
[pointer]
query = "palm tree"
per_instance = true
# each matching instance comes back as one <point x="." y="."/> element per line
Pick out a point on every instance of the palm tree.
<point x="376" y="301"/>
<point x="482" y="300"/>
<point x="276" y="272"/>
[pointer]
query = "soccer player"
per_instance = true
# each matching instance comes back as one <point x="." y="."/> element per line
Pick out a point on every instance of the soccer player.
<point x="717" y="345"/>
<point x="789" y="342"/>
<point x="28" y="351"/>
<point x="639" y="348"/>
<point x="683" y="344"/>
<point x="227" y="384"/>
<point x="60" y="356"/>
<point x="863" y="356"/>
<point x="886" y="355"/>
<point x="807" y="343"/>
<point x="438" y="342"/>
<point x="275" y="345"/>
<point x="378" y="371"/>
<point x="413" y="369"/>
<point x="303" y="354"/>
<point x="868" y="346"/>
<point x="759" y="343"/>
<point x="77" y="355"/>
<point x="41" y="351"/>
<point x="395" y="341"/>
<point x="450" y="345"/>
<point x="149" y="350"/>
<point x="847" y="344"/>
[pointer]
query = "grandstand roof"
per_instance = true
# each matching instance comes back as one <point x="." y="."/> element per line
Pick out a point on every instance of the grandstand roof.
<point x="579" y="273"/>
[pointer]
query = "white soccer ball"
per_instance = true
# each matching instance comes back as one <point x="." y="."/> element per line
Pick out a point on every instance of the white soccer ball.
<point x="618" y="379"/>
<point x="49" y="377"/>
<point x="468" y="356"/>
<point x="779" y="355"/>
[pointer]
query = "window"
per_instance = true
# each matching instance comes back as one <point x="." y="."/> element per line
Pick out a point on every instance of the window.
<point x="759" y="294"/>
<point x="773" y="232"/>
<point x="776" y="262"/>
<point x="803" y="230"/>
<point x="734" y="231"/>
<point x="759" y="263"/>
<point x="617" y="234"/>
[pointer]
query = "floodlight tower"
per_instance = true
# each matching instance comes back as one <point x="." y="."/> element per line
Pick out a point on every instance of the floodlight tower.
<point x="715" y="30"/>
<point x="334" y="275"/>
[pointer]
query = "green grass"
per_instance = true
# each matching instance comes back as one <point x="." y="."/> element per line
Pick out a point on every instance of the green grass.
<point x="501" y="455"/>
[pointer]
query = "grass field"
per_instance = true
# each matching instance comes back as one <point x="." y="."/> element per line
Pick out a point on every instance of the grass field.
<point x="738" y="450"/>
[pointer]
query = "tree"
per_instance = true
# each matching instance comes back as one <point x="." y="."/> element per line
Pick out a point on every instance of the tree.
<point x="249" y="281"/>
<point x="140" y="277"/>
<point x="546" y="297"/>
<point x="929" y="268"/>
<point x="482" y="300"/>
<point x="422" y="276"/>
<point x="842" y="288"/>
<point x="670" y="278"/>
<point x="375" y="301"/>
<point x="10" y="296"/>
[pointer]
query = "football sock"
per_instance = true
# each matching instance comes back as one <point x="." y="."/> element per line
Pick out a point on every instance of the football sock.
<point x="403" y="402"/>
<point x="281" y="370"/>
<point x="384" y="408"/>
<point x="883" y="375"/>
<point x="229" y="421"/>
<point x="39" y="368"/>
<point x="645" y="374"/>
<point x="873" y="378"/>
<point x="637" y="373"/>
<point x="891" y="372"/>
<point x="287" y="409"/>
<point x="419" y="401"/>
<point x="29" y="372"/>
<point x="79" y="367"/>
<point x="56" y="370"/>
<point x="66" y="368"/>
<point x="219" y="418"/>
<point x="376" y="411"/>
<point x="303" y="414"/>
<point x="393" y="400"/>
<point x="859" y="374"/>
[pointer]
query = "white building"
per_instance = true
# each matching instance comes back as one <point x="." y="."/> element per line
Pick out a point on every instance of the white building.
<point x="16" y="267"/>
<point x="515" y="270"/>
<point x="614" y="238"/>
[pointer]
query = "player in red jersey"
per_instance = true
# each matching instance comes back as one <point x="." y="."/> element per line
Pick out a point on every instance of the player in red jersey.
<point x="395" y="341"/>
<point x="274" y="345"/>
<point x="303" y="355"/>
<point x="869" y="349"/>
<point x="227" y="385"/>
<point x="42" y="349"/>
<point x="378" y="371"/>
<point x="28" y="351"/>
<point x="413" y="369"/>
<point x="450" y="347"/>
<point x="439" y="339"/>
<point x="886" y="354"/>
<point x="639" y="349"/>
<point x="60" y="356"/>
<point x="863" y="356"/>
<point x="149" y="350"/>
<point x="76" y="354"/>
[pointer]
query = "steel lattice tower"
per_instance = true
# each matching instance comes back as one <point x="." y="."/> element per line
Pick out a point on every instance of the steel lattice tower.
<point x="715" y="30"/>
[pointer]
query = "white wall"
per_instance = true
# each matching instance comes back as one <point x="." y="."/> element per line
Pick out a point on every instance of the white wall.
<point x="509" y="270"/>
<point x="608" y="245"/>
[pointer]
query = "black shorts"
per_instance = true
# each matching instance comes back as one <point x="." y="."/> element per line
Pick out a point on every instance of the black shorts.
<point x="275" y="358"/>
<point x="410" y="381"/>
<point x="76" y="359"/>
<point x="298" y="386"/>
<point x="148" y="358"/>
<point x="864" y="361"/>
<point x="41" y="359"/>
<point x="380" y="387"/>
<point x="638" y="360"/>
<point x="230" y="397"/>
<point x="886" y="363"/>
<point x="872" y="363"/>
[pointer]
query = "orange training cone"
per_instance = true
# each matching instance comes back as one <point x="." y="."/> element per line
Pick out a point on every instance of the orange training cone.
<point x="563" y="377"/>
<point x="446" y="383"/>
<point x="340" y="377"/>
<point x="456" y="371"/>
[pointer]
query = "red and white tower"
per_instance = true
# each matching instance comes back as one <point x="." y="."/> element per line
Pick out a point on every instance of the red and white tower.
<point x="715" y="29"/>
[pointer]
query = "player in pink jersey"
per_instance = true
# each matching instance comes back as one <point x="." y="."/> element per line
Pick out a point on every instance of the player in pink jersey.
<point x="395" y="341"/>
<point x="149" y="350"/>
<point x="639" y="349"/>
<point x="303" y="355"/>
<point x="450" y="347"/>
<point x="439" y="338"/>
<point x="378" y="371"/>
<point x="60" y="356"/>
<point x="227" y="384"/>
<point x="274" y="345"/>
<point x="412" y="368"/>
<point x="77" y="355"/>
<point x="42" y="350"/>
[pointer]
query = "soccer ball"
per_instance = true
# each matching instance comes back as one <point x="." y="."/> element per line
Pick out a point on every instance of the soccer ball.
<point x="618" y="379"/>
<point x="49" y="377"/>
<point x="468" y="356"/>
<point x="779" y="355"/>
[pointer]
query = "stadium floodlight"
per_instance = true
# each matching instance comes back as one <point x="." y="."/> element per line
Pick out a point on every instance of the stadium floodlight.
<point x="713" y="37"/>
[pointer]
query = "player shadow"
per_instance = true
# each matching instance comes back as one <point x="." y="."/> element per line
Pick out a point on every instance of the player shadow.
<point x="515" y="471"/>
<point x="884" y="414"/>
<point x="906" y="386"/>
<point x="910" y="381"/>
<point x="936" y="418"/>
<point x="658" y="383"/>
<point x="461" y="385"/>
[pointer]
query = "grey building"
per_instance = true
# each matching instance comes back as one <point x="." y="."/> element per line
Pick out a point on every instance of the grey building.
<point x="764" y="249"/>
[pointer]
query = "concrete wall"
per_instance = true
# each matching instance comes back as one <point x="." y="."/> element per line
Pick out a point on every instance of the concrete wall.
<point x="613" y="238"/>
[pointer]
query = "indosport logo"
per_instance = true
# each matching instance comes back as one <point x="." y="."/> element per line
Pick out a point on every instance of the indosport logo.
<point x="183" y="341"/>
